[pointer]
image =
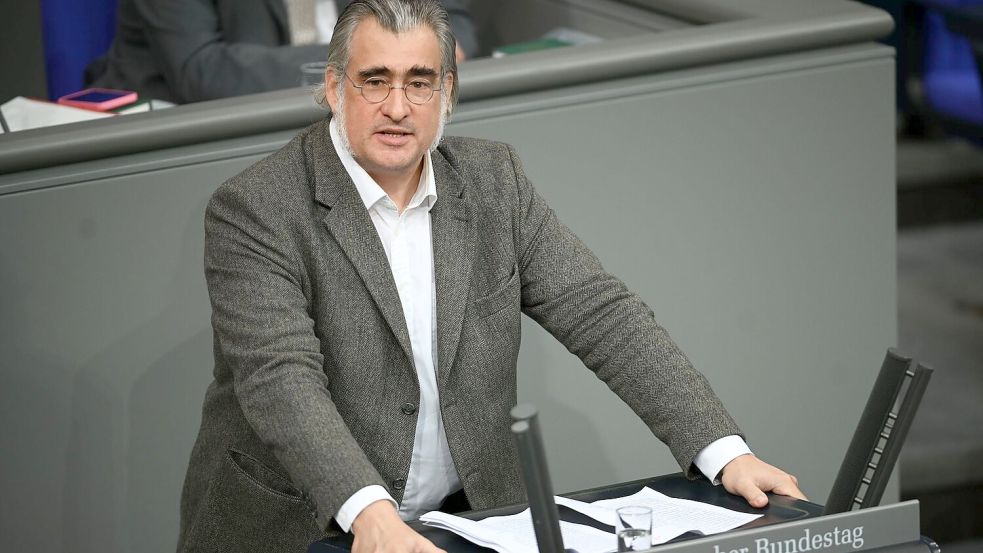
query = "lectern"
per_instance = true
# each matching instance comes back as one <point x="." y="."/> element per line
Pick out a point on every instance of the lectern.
<point x="787" y="525"/>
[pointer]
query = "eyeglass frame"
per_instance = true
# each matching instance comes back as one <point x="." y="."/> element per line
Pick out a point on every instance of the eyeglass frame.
<point x="361" y="90"/>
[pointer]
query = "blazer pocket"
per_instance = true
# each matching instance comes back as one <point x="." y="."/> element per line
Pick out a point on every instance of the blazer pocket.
<point x="500" y="298"/>
<point x="258" y="473"/>
<point x="249" y="507"/>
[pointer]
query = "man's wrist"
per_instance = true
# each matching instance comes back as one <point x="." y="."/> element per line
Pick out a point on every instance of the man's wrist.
<point x="714" y="457"/>
<point x="375" y="514"/>
<point x="354" y="505"/>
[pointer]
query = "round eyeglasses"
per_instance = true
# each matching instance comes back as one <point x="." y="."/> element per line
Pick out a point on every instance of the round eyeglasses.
<point x="375" y="90"/>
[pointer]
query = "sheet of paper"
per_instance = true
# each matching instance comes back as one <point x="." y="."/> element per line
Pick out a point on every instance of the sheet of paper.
<point x="515" y="533"/>
<point x="24" y="113"/>
<point x="670" y="516"/>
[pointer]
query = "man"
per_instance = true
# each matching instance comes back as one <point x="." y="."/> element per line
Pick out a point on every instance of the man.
<point x="367" y="282"/>
<point x="192" y="50"/>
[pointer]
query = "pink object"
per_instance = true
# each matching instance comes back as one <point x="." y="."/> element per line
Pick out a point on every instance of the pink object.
<point x="98" y="99"/>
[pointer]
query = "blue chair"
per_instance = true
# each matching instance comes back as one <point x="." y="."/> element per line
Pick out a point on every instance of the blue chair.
<point x="949" y="54"/>
<point x="75" y="33"/>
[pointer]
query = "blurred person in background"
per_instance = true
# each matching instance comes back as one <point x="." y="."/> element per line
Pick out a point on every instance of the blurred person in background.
<point x="192" y="50"/>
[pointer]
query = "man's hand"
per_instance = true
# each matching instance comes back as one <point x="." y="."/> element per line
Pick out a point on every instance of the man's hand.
<point x="750" y="477"/>
<point x="378" y="529"/>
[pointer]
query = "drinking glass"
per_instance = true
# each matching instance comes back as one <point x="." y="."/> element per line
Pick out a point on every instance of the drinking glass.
<point x="634" y="528"/>
<point x="312" y="73"/>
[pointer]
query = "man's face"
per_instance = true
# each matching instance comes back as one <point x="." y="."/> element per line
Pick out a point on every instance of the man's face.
<point x="389" y="138"/>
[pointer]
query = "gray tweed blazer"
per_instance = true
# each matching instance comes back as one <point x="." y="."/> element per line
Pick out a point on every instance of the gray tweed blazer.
<point x="315" y="391"/>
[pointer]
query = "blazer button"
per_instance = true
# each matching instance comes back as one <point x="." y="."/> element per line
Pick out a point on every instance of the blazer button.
<point x="399" y="484"/>
<point x="408" y="408"/>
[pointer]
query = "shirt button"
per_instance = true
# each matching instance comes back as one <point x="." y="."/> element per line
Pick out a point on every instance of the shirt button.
<point x="399" y="484"/>
<point x="408" y="408"/>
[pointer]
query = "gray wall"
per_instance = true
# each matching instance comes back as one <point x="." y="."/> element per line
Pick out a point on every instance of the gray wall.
<point x="751" y="204"/>
<point x="753" y="209"/>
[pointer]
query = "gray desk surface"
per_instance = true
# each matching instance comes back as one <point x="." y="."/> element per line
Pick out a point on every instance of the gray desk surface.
<point x="785" y="525"/>
<point x="720" y="31"/>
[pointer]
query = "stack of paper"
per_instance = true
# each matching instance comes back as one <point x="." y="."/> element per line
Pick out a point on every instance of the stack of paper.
<point x="515" y="533"/>
<point x="671" y="517"/>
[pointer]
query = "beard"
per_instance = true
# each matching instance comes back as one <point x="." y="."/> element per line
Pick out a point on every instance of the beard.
<point x="444" y="105"/>
<point x="339" y="114"/>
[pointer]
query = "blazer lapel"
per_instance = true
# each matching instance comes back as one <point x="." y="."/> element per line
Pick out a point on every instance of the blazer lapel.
<point x="349" y="223"/>
<point x="453" y="227"/>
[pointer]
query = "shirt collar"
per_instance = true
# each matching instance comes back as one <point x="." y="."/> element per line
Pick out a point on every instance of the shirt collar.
<point x="369" y="190"/>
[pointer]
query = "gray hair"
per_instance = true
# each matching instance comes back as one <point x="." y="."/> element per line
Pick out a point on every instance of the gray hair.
<point x="396" y="16"/>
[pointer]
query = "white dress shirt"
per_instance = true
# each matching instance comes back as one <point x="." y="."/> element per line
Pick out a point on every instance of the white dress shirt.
<point x="408" y="243"/>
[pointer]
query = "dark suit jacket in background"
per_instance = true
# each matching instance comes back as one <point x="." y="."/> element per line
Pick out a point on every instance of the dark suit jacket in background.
<point x="192" y="50"/>
<point x="312" y="357"/>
